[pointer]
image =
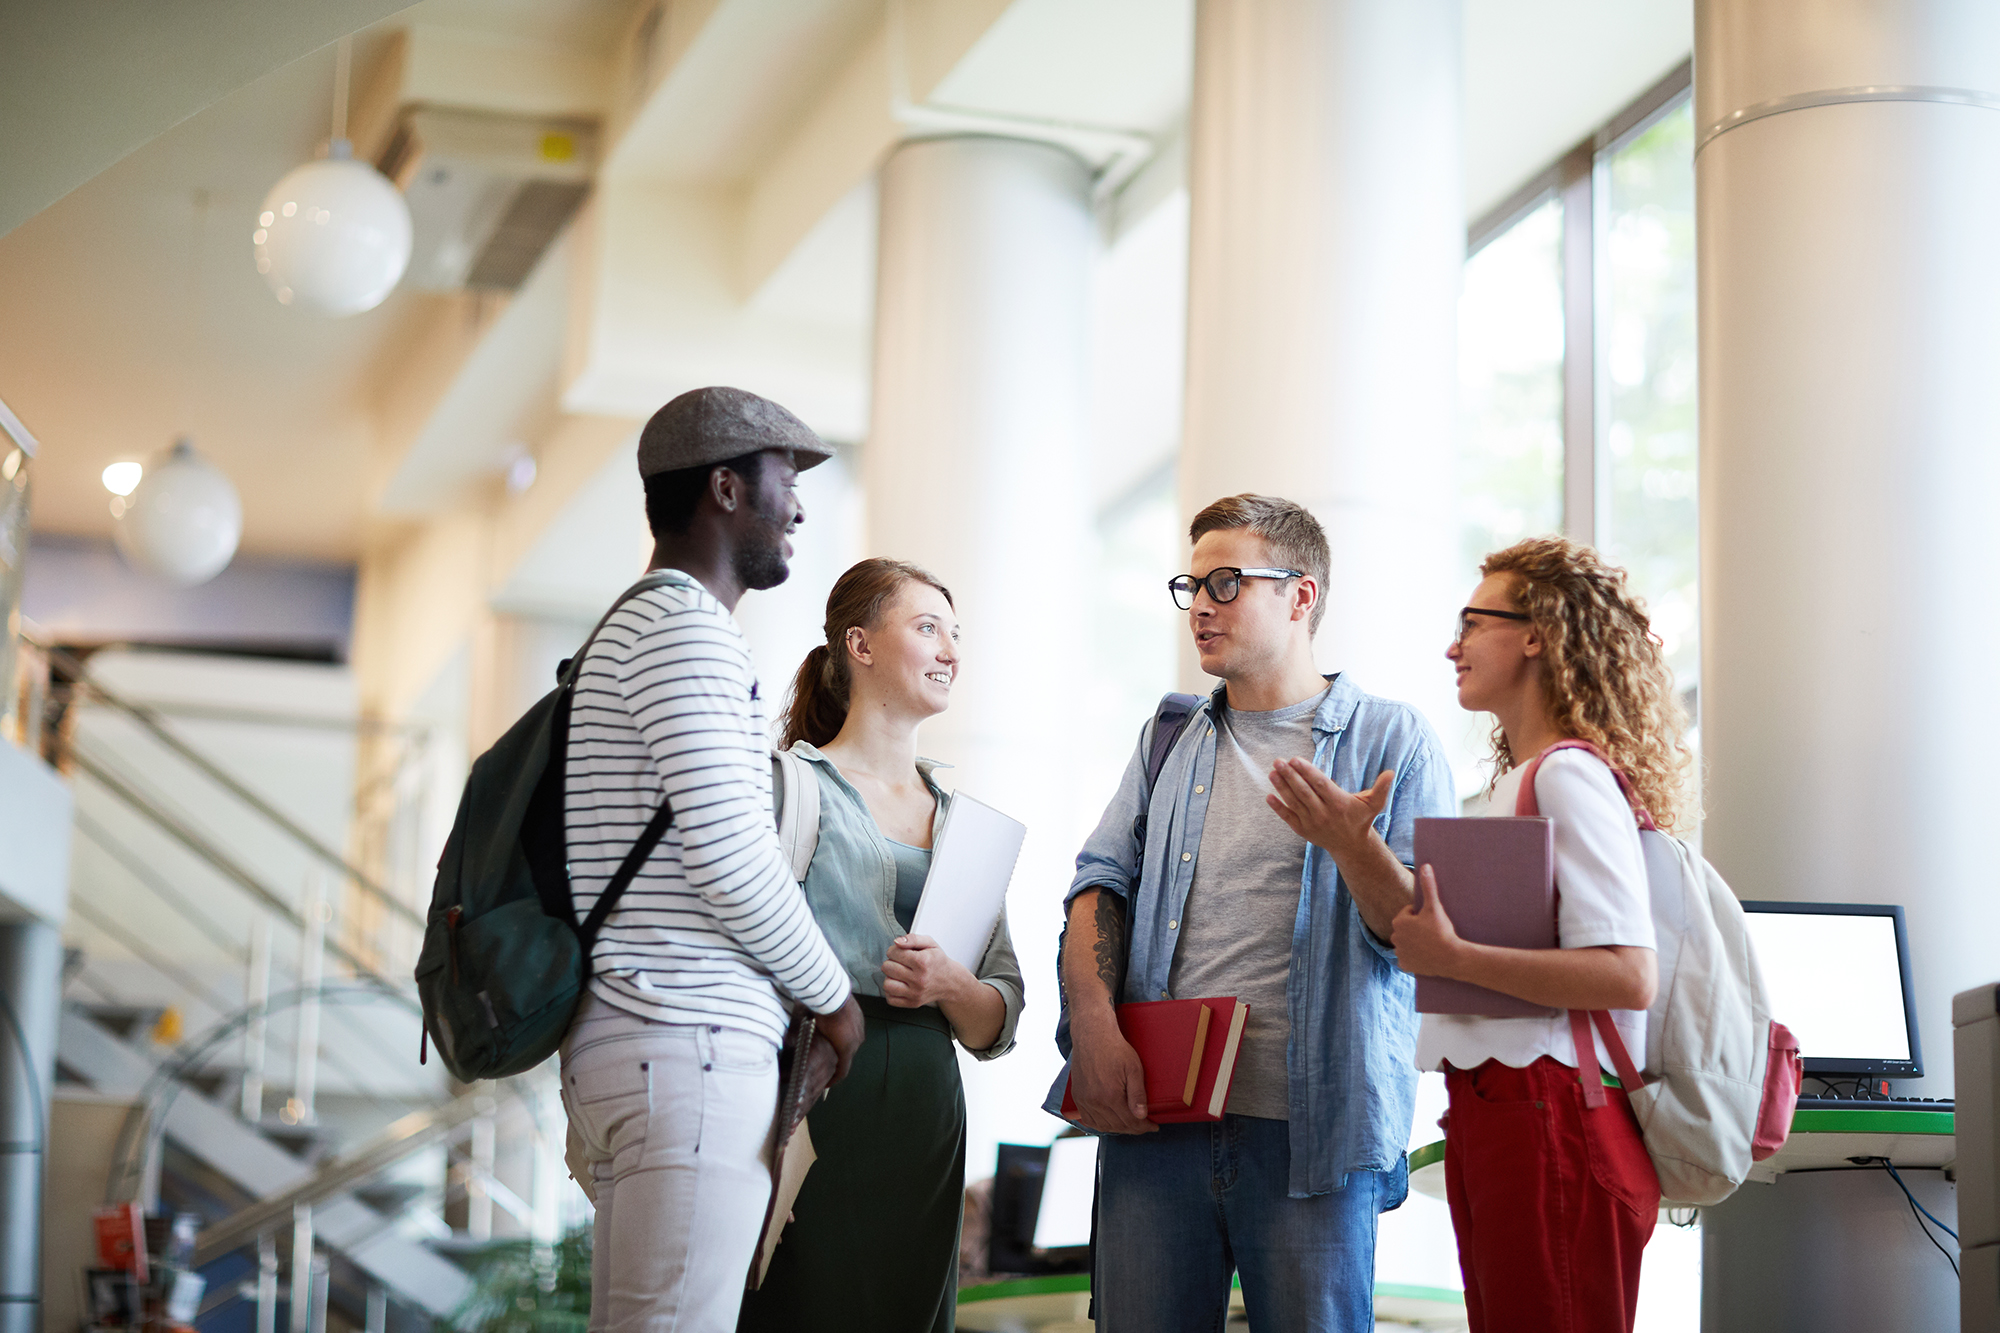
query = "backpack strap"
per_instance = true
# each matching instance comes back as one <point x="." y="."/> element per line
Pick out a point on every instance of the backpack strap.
<point x="570" y="667"/>
<point x="1581" y="1020"/>
<point x="1526" y="804"/>
<point x="1587" y="1073"/>
<point x="628" y="869"/>
<point x="656" y="828"/>
<point x="795" y="806"/>
<point x="1169" y="722"/>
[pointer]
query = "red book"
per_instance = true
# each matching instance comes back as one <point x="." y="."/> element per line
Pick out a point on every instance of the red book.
<point x="1189" y="1050"/>
<point x="121" y="1238"/>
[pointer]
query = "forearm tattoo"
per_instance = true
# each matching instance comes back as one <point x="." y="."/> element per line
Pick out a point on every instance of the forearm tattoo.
<point x="1111" y="943"/>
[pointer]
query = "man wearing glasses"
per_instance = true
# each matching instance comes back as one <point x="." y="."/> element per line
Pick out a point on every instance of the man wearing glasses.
<point x="1265" y="862"/>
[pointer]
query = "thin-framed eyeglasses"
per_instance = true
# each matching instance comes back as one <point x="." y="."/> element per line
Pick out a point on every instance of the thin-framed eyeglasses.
<point x="1466" y="613"/>
<point x="1223" y="583"/>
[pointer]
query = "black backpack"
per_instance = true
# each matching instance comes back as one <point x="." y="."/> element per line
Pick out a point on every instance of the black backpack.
<point x="504" y="960"/>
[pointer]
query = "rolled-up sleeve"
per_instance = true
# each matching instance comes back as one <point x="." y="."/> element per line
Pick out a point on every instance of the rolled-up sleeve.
<point x="1112" y="854"/>
<point x="1001" y="970"/>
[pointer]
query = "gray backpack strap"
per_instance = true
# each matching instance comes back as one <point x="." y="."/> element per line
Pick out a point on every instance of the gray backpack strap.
<point x="795" y="803"/>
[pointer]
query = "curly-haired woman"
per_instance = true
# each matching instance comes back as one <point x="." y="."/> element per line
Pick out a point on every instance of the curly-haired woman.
<point x="873" y="1246"/>
<point x="1553" y="1201"/>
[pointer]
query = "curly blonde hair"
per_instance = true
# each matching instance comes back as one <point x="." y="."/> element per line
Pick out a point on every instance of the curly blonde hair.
<point x="1605" y="675"/>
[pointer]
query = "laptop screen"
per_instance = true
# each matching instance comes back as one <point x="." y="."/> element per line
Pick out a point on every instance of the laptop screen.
<point x="1838" y="975"/>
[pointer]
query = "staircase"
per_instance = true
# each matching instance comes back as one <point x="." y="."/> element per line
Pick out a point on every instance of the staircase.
<point x="245" y="987"/>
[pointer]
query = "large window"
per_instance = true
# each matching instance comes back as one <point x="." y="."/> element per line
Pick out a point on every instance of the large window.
<point x="1510" y="372"/>
<point x="1577" y="362"/>
<point x="1577" y="391"/>
<point x="1647" y="367"/>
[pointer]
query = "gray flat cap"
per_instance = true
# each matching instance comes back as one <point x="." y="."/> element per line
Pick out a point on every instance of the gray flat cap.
<point x="715" y="424"/>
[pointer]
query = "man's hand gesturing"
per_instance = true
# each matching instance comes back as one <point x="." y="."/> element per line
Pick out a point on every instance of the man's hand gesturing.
<point x="1342" y="824"/>
<point x="1314" y="807"/>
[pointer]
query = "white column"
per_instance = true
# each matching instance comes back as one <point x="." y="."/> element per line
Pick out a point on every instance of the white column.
<point x="1847" y="193"/>
<point x="975" y="468"/>
<point x="1850" y="454"/>
<point x="1326" y="240"/>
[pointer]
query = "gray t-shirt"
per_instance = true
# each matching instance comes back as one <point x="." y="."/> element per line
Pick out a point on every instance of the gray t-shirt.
<point x="1236" y="929"/>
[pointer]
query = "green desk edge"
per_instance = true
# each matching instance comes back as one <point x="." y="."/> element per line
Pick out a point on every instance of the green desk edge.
<point x="1871" y="1121"/>
<point x="1815" y="1120"/>
<point x="1065" y="1283"/>
<point x="1428" y="1155"/>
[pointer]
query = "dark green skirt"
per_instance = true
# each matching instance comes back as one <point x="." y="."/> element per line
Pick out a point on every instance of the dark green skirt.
<point x="873" y="1247"/>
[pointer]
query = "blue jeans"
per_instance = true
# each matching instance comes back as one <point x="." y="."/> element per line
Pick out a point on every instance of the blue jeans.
<point x="1181" y="1210"/>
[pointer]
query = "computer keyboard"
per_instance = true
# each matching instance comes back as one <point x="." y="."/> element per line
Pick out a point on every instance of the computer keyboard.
<point x="1825" y="1103"/>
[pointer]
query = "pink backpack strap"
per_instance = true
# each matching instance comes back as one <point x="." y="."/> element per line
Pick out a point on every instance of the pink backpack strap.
<point x="1526" y="804"/>
<point x="1580" y="1021"/>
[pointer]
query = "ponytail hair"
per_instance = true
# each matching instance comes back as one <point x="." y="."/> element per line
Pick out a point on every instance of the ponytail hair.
<point x="817" y="708"/>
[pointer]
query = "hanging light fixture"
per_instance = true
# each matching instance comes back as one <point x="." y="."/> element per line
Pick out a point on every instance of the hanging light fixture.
<point x="334" y="235"/>
<point x="183" y="519"/>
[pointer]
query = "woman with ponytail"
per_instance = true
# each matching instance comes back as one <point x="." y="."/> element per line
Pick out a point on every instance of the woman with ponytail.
<point x="873" y="1245"/>
<point x="1552" y="1194"/>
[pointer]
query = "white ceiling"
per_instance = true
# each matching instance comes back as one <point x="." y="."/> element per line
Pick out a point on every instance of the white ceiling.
<point x="1540" y="75"/>
<point x="587" y="27"/>
<point x="118" y="330"/>
<point x="1117" y="64"/>
<point x="130" y="311"/>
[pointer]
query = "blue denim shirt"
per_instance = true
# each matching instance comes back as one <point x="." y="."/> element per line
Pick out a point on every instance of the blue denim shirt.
<point x="851" y="888"/>
<point x="1351" y="1057"/>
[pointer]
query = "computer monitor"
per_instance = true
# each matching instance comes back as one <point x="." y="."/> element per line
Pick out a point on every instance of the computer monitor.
<point x="1069" y="1189"/>
<point x="1034" y="1225"/>
<point x="1839" y="978"/>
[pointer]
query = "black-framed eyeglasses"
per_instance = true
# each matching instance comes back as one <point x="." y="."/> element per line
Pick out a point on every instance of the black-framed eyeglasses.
<point x="1465" y="614"/>
<point x="1223" y="583"/>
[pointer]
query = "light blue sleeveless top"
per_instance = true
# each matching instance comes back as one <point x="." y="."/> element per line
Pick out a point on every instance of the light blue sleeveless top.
<point x="863" y="889"/>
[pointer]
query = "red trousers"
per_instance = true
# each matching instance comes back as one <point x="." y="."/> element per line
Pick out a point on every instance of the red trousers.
<point x="1553" y="1202"/>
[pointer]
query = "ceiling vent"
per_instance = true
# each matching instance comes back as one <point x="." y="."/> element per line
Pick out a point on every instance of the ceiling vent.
<point x="488" y="193"/>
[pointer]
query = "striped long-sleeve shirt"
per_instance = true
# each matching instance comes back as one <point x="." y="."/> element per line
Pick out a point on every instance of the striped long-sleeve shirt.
<point x="713" y="928"/>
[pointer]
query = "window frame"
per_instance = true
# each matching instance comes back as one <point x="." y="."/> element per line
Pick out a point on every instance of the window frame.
<point x="1581" y="179"/>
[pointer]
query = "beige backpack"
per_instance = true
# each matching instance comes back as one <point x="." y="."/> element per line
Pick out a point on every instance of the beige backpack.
<point x="1721" y="1076"/>
<point x="795" y="806"/>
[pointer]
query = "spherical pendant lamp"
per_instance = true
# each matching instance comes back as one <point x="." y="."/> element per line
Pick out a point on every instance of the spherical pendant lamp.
<point x="183" y="520"/>
<point x="334" y="236"/>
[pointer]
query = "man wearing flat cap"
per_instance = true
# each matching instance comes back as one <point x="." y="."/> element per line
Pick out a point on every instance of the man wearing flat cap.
<point x="670" y="1072"/>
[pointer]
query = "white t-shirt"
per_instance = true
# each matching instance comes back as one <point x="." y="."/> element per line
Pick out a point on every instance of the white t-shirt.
<point x="1602" y="900"/>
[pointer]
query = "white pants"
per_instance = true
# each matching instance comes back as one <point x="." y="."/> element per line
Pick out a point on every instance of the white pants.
<point x="673" y="1125"/>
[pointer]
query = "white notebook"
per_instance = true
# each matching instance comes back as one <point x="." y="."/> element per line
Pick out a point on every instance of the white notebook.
<point x="972" y="860"/>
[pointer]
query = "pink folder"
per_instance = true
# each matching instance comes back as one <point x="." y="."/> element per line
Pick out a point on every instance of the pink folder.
<point x="1496" y="878"/>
